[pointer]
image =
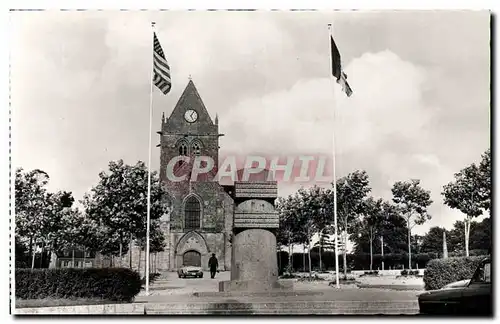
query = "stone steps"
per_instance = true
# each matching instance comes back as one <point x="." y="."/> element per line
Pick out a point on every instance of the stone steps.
<point x="236" y="308"/>
<point x="285" y="308"/>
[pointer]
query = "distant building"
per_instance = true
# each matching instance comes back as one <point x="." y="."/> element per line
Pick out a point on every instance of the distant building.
<point x="75" y="259"/>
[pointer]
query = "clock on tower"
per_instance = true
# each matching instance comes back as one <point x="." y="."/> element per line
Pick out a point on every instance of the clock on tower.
<point x="190" y="115"/>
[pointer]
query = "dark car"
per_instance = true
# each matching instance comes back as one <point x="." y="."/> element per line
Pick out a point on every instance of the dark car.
<point x="190" y="271"/>
<point x="473" y="298"/>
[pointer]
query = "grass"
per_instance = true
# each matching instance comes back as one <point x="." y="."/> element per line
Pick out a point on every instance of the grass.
<point x="51" y="302"/>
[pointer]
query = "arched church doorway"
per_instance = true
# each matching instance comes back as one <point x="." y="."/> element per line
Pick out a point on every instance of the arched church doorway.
<point x="192" y="259"/>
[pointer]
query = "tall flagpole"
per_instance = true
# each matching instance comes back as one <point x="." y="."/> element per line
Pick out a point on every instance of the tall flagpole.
<point x="333" y="172"/>
<point x="148" y="217"/>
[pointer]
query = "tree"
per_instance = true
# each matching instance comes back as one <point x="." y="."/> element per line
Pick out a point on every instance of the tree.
<point x="156" y="239"/>
<point x="301" y="216"/>
<point x="326" y="242"/>
<point x="393" y="232"/>
<point x="286" y="233"/>
<point x="118" y="203"/>
<point x="485" y="180"/>
<point x="22" y="259"/>
<point x="58" y="205"/>
<point x="308" y="205"/>
<point x="433" y="240"/>
<point x="470" y="193"/>
<point x="416" y="243"/>
<point x="351" y="191"/>
<point x="371" y="222"/>
<point x="412" y="201"/>
<point x="480" y="236"/>
<point x="30" y="198"/>
<point x="38" y="212"/>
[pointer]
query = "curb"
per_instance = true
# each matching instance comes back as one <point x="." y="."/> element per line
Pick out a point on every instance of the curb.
<point x="233" y="307"/>
<point x="393" y="287"/>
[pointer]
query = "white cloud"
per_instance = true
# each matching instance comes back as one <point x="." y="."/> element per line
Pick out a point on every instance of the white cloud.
<point x="80" y="90"/>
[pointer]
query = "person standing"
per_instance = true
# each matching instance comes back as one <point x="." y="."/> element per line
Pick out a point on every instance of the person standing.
<point x="213" y="264"/>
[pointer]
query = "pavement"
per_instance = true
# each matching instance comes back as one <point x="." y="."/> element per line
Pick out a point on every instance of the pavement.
<point x="170" y="284"/>
<point x="172" y="295"/>
<point x="195" y="296"/>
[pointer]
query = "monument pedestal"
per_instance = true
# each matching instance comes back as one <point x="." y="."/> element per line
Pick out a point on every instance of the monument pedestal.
<point x="254" y="264"/>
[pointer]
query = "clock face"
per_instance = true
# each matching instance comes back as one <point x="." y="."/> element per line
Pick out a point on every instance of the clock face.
<point x="191" y="116"/>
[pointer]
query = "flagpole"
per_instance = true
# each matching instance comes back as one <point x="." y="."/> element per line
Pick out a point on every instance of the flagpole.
<point x="148" y="217"/>
<point x="333" y="170"/>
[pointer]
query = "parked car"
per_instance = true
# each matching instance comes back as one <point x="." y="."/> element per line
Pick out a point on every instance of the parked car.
<point x="190" y="271"/>
<point x="472" y="298"/>
<point x="457" y="284"/>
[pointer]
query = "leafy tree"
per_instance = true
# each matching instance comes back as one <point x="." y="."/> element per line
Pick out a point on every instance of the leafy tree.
<point x="326" y="240"/>
<point x="326" y="243"/>
<point x="416" y="243"/>
<point x="433" y="240"/>
<point x="371" y="222"/>
<point x="156" y="240"/>
<point x="480" y="236"/>
<point x="30" y="198"/>
<point x="58" y="205"/>
<point x="38" y="212"/>
<point x="118" y="203"/>
<point x="393" y="233"/>
<point x="485" y="180"/>
<point x="351" y="191"/>
<point x="412" y="201"/>
<point x="308" y="207"/>
<point x="301" y="216"/>
<point x="286" y="233"/>
<point x="22" y="259"/>
<point x="470" y="193"/>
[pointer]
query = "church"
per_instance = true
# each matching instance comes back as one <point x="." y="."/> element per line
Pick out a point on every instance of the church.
<point x="201" y="214"/>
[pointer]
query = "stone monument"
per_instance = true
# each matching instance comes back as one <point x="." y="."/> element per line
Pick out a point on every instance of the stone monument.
<point x="254" y="265"/>
<point x="445" y="247"/>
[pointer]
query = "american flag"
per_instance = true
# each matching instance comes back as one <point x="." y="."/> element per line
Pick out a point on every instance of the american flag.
<point x="161" y="68"/>
<point x="337" y="69"/>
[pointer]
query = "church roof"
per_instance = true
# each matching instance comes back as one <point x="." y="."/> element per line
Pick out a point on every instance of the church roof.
<point x="190" y="99"/>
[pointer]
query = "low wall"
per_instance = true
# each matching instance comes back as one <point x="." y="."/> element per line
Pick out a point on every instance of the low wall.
<point x="396" y="272"/>
<point x="386" y="272"/>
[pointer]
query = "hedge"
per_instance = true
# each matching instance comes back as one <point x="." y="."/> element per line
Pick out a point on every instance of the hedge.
<point x="441" y="272"/>
<point x="114" y="284"/>
<point x="407" y="272"/>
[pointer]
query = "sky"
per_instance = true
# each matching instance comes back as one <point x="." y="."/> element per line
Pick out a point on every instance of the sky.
<point x="80" y="85"/>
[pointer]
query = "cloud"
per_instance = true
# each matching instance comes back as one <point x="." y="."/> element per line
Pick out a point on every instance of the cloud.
<point x="80" y="90"/>
<point x="378" y="129"/>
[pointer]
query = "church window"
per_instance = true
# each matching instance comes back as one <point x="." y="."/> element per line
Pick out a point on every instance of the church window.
<point x="196" y="148"/>
<point x="183" y="149"/>
<point x="192" y="213"/>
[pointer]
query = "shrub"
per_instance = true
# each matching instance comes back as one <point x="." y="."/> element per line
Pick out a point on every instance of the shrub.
<point x="407" y="272"/>
<point x="347" y="278"/>
<point x="288" y="276"/>
<point x="441" y="272"/>
<point x="152" y="277"/>
<point x="116" y="284"/>
<point x="312" y="278"/>
<point x="371" y="273"/>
